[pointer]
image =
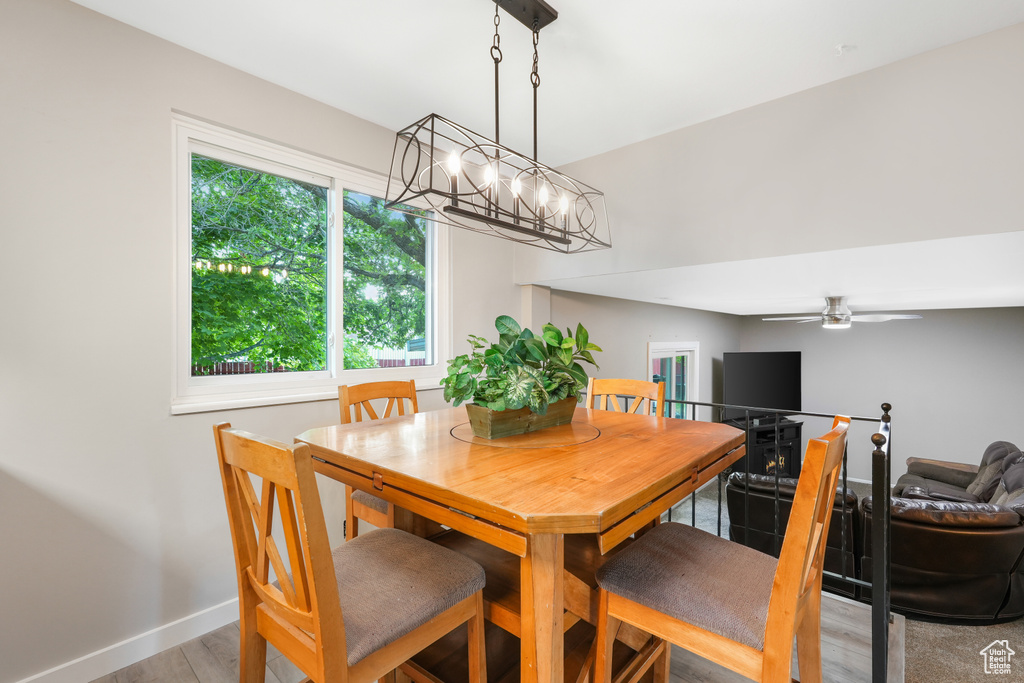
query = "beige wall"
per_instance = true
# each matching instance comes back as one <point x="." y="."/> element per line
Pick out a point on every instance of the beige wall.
<point x="925" y="148"/>
<point x="114" y="519"/>
<point x="624" y="328"/>
<point x="953" y="378"/>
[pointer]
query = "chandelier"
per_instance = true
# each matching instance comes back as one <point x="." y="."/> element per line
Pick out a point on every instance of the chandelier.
<point x="478" y="184"/>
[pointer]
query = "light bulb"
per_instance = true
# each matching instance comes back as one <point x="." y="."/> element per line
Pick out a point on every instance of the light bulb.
<point x="488" y="175"/>
<point x="516" y="187"/>
<point x="265" y="271"/>
<point x="563" y="205"/>
<point x="453" y="163"/>
<point x="221" y="268"/>
<point x="543" y="194"/>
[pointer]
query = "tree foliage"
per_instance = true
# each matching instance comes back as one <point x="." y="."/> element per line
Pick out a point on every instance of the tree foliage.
<point x="260" y="276"/>
<point x="385" y="273"/>
<point x="276" y="226"/>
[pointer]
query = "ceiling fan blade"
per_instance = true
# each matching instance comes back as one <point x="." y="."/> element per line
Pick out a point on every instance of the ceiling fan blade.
<point x="882" y="317"/>
<point x="801" y="318"/>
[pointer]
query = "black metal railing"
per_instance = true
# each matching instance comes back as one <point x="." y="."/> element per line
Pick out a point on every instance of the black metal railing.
<point x="880" y="486"/>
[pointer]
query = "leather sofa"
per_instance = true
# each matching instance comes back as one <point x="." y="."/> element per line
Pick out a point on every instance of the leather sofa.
<point x="957" y="562"/>
<point x="955" y="557"/>
<point x="940" y="480"/>
<point x="842" y="547"/>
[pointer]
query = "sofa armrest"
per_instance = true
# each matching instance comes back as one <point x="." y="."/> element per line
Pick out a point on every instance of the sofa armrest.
<point x="948" y="514"/>
<point x="919" y="493"/>
<point x="954" y="473"/>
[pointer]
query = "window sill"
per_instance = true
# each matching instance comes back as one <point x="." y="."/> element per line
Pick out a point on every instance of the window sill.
<point x="188" y="405"/>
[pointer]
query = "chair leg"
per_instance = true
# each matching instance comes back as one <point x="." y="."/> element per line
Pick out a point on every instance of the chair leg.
<point x="389" y="677"/>
<point x="808" y="638"/>
<point x="252" y="665"/>
<point x="477" y="647"/>
<point x="663" y="665"/>
<point x="607" y="626"/>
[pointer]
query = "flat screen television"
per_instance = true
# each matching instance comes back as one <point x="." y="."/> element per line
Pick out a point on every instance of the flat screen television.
<point x="761" y="379"/>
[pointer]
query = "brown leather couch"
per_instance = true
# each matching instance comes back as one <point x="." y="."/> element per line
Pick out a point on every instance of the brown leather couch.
<point x="951" y="560"/>
<point x="844" y="532"/>
<point x="957" y="562"/>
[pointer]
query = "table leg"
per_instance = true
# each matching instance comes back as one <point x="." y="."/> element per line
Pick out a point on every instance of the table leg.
<point x="542" y="596"/>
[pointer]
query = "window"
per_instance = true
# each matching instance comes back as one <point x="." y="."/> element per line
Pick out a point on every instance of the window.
<point x="675" y="363"/>
<point x="274" y="303"/>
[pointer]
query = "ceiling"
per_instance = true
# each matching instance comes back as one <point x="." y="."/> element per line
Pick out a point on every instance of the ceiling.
<point x="612" y="73"/>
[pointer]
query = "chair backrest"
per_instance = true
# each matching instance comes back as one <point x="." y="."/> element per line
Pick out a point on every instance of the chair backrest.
<point x="646" y="398"/>
<point x="798" y="576"/>
<point x="357" y="398"/>
<point x="303" y="617"/>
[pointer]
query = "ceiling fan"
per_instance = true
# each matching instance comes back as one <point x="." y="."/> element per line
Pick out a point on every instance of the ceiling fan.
<point x="837" y="316"/>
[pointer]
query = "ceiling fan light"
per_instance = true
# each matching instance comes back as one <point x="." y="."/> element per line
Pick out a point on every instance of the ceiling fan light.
<point x="835" y="322"/>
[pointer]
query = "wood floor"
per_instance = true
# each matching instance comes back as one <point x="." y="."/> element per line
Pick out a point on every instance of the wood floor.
<point x="846" y="655"/>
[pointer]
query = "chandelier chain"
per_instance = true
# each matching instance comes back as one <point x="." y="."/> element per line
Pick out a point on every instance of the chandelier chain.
<point x="535" y="75"/>
<point x="496" y="43"/>
<point x="496" y="56"/>
<point x="535" y="80"/>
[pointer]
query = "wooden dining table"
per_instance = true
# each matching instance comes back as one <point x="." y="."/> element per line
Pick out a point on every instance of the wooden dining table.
<point x="606" y="474"/>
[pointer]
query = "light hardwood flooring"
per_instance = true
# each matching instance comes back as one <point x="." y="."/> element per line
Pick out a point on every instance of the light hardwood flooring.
<point x="846" y="655"/>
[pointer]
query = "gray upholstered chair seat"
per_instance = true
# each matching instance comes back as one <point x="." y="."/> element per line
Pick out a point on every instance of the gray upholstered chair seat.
<point x="390" y="582"/>
<point x="666" y="570"/>
<point x="371" y="501"/>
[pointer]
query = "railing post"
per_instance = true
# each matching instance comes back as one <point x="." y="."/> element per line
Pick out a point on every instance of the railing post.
<point x="880" y="561"/>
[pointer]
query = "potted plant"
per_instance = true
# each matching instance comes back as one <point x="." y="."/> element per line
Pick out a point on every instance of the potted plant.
<point x="523" y="382"/>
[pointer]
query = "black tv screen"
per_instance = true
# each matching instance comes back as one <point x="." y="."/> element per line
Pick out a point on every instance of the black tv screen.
<point x="761" y="379"/>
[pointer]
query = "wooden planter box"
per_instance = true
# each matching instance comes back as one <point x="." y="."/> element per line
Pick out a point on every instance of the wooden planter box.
<point x="491" y="424"/>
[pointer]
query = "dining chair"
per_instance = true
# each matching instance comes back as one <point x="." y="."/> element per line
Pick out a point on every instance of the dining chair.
<point x="721" y="600"/>
<point x="645" y="398"/>
<point x="354" y="401"/>
<point x="348" y="615"/>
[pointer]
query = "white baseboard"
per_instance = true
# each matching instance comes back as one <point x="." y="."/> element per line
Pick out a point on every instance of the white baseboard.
<point x="137" y="648"/>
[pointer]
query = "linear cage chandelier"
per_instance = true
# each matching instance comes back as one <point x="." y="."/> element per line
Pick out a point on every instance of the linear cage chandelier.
<point x="478" y="184"/>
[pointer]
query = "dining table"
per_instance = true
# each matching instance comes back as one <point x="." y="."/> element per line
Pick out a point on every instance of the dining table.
<point x="604" y="477"/>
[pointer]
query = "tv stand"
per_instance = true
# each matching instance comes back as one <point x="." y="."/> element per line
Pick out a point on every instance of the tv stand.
<point x="762" y="453"/>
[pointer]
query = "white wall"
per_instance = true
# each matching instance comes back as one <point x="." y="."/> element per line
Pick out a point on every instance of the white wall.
<point x="953" y="378"/>
<point x="922" y="149"/>
<point x="623" y="329"/>
<point x="113" y="514"/>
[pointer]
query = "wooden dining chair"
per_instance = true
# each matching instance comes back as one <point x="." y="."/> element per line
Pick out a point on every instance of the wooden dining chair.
<point x="344" y="616"/>
<point x="354" y="401"/>
<point x="721" y="600"/>
<point x="645" y="398"/>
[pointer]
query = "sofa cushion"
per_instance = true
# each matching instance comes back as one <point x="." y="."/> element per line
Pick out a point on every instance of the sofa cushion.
<point x="1011" y="485"/>
<point x="933" y="471"/>
<point x="913" y="486"/>
<point x="991" y="469"/>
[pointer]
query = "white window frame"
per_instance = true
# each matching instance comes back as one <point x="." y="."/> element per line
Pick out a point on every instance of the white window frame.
<point x="691" y="349"/>
<point x="199" y="394"/>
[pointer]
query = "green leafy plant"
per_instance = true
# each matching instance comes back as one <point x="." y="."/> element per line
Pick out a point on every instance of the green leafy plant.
<point x="521" y="369"/>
